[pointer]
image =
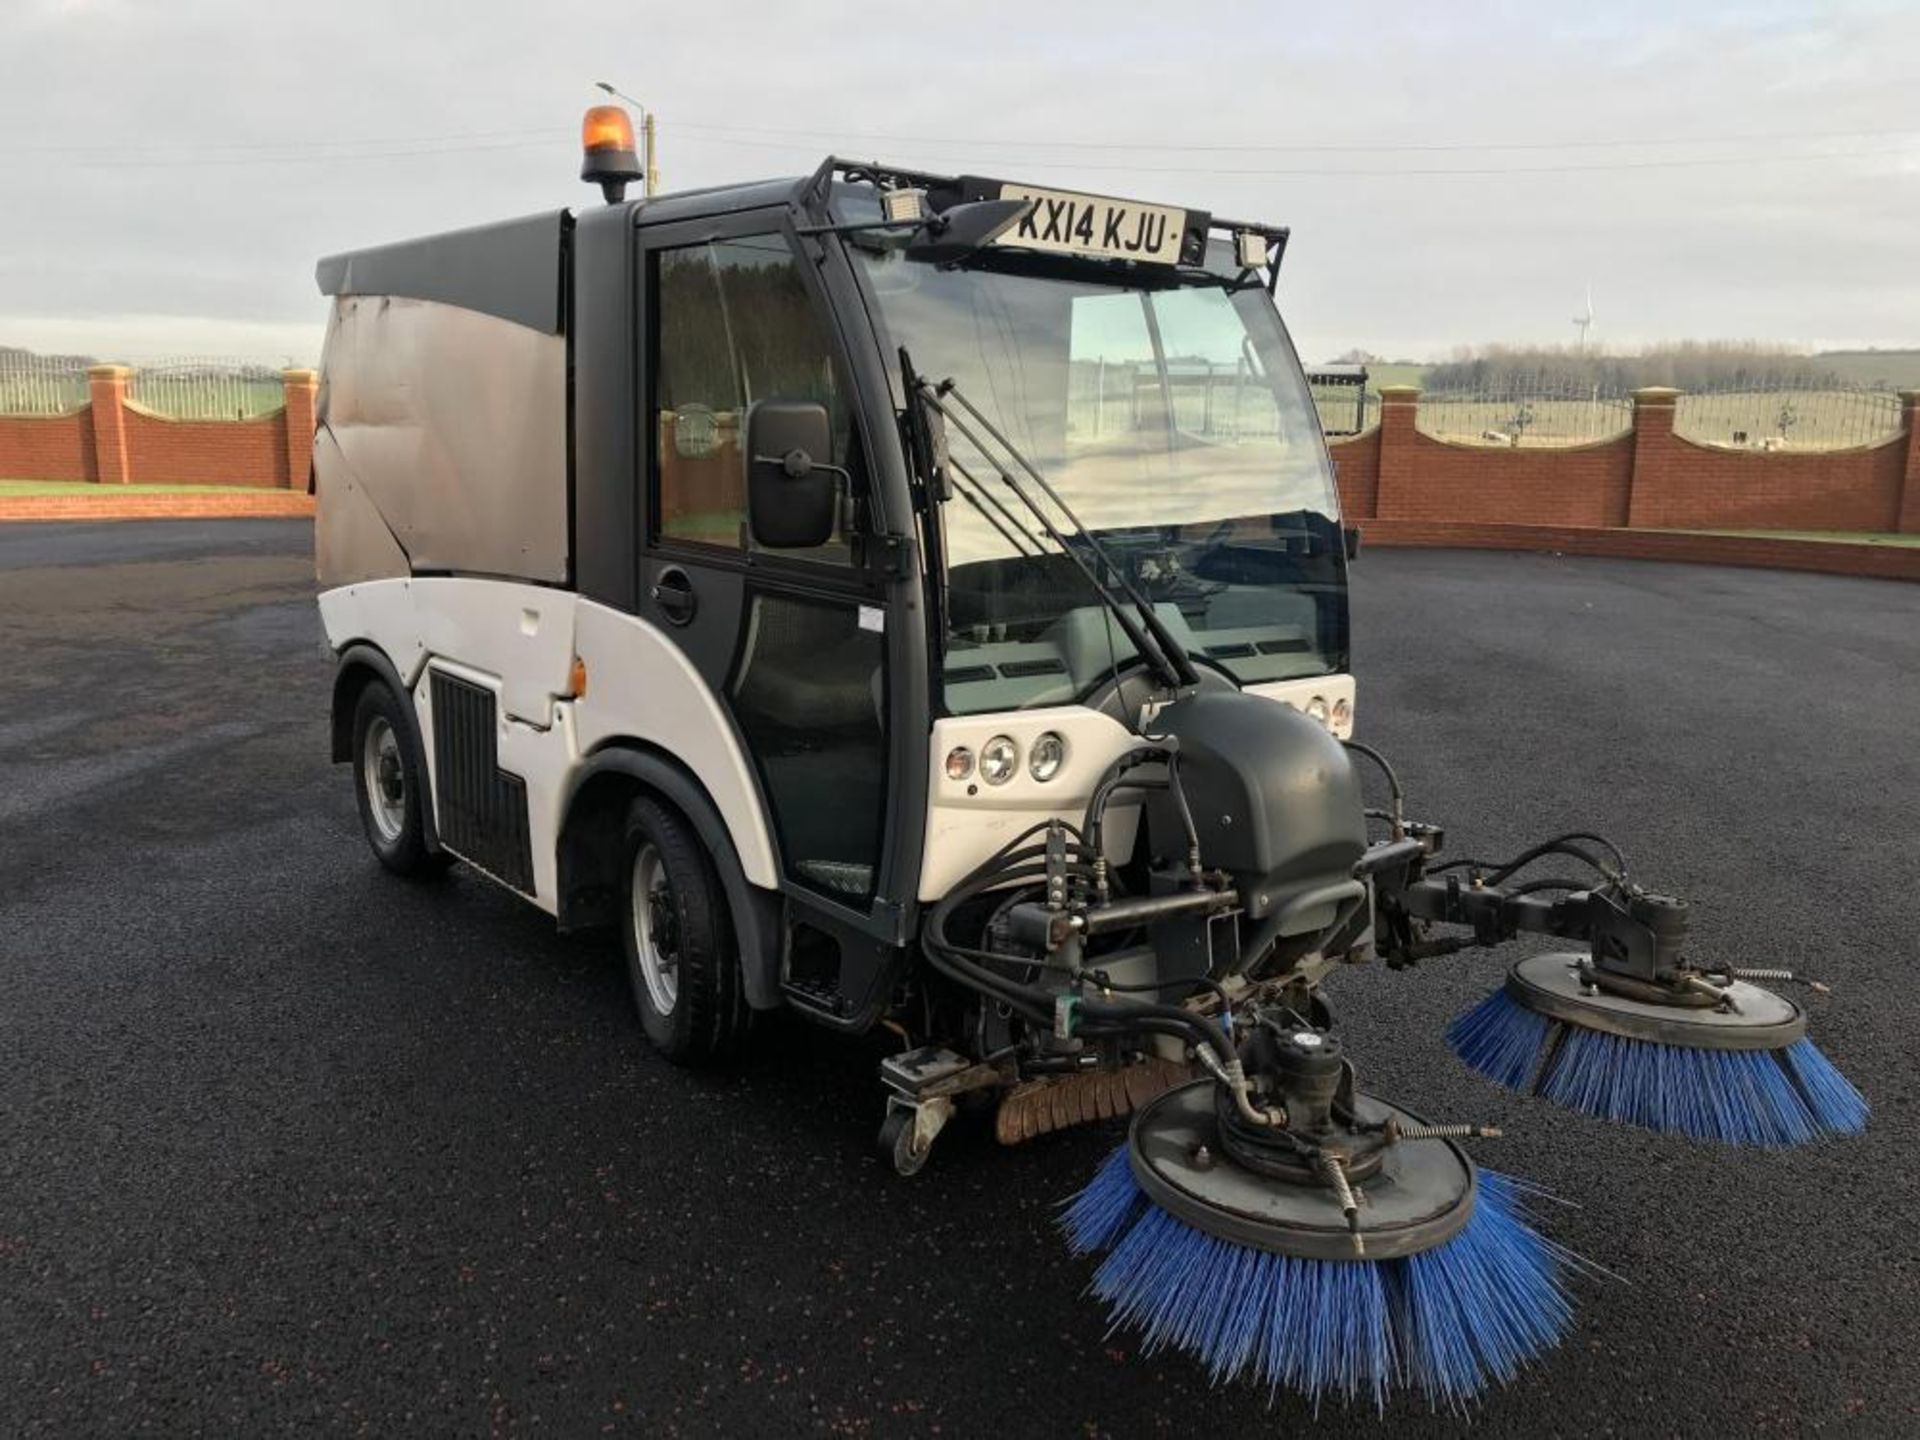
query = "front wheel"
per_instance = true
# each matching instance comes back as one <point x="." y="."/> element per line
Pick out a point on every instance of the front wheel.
<point x="682" y="959"/>
<point x="389" y="784"/>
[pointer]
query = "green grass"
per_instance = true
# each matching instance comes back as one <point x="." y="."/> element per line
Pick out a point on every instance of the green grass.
<point x="1843" y="537"/>
<point x="88" y="487"/>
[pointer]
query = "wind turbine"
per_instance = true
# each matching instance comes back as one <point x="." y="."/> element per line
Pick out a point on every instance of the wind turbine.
<point x="1585" y="322"/>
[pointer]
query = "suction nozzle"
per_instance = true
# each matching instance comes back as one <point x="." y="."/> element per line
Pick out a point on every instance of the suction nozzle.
<point x="1708" y="1056"/>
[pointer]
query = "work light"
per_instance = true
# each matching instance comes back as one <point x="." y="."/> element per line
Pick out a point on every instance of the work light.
<point x="999" y="758"/>
<point x="1049" y="753"/>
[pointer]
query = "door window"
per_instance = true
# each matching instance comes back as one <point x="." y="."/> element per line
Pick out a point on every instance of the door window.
<point x="733" y="325"/>
<point x="809" y="694"/>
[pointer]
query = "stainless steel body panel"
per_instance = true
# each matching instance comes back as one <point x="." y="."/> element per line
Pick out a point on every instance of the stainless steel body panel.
<point x="442" y="438"/>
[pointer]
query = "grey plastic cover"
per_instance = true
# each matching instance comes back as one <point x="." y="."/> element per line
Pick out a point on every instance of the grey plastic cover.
<point x="510" y="269"/>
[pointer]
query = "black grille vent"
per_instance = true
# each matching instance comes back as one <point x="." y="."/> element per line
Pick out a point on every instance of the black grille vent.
<point x="482" y="808"/>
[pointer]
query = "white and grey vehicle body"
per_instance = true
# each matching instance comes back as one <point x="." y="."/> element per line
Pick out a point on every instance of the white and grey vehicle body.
<point x="855" y="667"/>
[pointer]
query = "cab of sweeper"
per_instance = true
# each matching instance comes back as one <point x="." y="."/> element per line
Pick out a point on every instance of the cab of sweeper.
<point x="913" y="495"/>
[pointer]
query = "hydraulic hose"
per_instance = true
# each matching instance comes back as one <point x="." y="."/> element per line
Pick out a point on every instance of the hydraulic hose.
<point x="1205" y="982"/>
<point x="1012" y="863"/>
<point x="1093" y="823"/>
<point x="1397" y="817"/>
<point x="1497" y="871"/>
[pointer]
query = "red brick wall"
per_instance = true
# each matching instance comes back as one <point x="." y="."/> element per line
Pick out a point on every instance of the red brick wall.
<point x="1908" y="522"/>
<point x="116" y="502"/>
<point x="1572" y="485"/>
<point x="1834" y="557"/>
<point x="209" y="452"/>
<point x="1356" y="465"/>
<point x="296" y="425"/>
<point x="114" y="442"/>
<point x="55" y="447"/>
<point x="1648" y="478"/>
<point x="1699" y="487"/>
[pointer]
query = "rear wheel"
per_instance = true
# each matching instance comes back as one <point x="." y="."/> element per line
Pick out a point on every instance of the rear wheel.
<point x="389" y="784"/>
<point x="682" y="960"/>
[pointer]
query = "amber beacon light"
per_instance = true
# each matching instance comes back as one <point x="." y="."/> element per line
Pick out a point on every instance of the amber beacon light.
<point x="607" y="153"/>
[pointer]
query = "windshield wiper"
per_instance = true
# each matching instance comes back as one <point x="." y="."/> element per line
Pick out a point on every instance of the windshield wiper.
<point x="1145" y="630"/>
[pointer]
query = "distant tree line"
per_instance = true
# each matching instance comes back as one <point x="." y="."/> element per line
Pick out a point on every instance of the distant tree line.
<point x="1502" y="370"/>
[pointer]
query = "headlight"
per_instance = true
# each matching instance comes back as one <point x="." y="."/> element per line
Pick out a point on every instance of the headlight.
<point x="1316" y="709"/>
<point x="959" y="763"/>
<point x="1342" y="714"/>
<point x="999" y="758"/>
<point x="1049" y="753"/>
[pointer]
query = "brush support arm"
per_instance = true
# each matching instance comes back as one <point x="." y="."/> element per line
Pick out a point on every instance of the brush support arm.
<point x="1636" y="936"/>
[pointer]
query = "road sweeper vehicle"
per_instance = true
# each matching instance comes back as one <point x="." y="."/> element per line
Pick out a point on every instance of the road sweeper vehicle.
<point x="920" y="601"/>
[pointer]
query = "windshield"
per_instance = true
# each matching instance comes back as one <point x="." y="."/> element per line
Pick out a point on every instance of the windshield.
<point x="1174" y="420"/>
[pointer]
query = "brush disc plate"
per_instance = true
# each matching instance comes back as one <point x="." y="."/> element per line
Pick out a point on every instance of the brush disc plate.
<point x="1550" y="985"/>
<point x="1422" y="1195"/>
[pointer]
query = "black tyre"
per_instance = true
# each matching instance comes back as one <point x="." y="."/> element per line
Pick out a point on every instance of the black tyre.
<point x="682" y="959"/>
<point x="896" y="1143"/>
<point x="391" y="790"/>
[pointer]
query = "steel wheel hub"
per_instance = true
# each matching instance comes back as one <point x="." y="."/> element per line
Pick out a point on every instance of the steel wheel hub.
<point x="656" y="937"/>
<point x="386" y="780"/>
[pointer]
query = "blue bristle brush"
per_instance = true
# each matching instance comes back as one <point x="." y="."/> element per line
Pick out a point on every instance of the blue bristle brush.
<point x="1442" y="1323"/>
<point x="1774" y="1094"/>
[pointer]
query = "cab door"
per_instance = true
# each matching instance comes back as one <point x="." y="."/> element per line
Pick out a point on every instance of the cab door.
<point x="793" y="641"/>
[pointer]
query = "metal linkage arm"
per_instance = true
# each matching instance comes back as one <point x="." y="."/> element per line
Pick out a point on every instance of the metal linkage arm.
<point x="1634" y="934"/>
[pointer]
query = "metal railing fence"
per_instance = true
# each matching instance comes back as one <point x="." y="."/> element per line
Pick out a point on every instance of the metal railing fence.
<point x="188" y="388"/>
<point x="42" y="384"/>
<point x="192" y="388"/>
<point x="1222" y="401"/>
<point x="1788" y="417"/>
<point x="1346" y="405"/>
<point x="1786" y="414"/>
<point x="1526" y="411"/>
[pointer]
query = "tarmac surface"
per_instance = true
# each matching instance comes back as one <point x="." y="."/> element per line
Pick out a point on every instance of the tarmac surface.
<point x="286" y="1143"/>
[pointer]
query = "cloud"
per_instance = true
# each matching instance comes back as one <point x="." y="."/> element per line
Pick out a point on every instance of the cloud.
<point x="175" y="170"/>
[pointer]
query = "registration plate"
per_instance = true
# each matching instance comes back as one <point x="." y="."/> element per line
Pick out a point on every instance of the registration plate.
<point x="1068" y="224"/>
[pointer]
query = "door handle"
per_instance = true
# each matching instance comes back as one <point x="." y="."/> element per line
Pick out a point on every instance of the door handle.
<point x="672" y="591"/>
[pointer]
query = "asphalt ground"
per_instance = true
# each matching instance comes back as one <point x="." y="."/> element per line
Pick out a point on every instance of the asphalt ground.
<point x="288" y="1144"/>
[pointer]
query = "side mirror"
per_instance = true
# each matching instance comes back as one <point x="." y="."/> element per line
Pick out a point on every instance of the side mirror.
<point x="959" y="230"/>
<point x="1352" y="536"/>
<point x="792" y="493"/>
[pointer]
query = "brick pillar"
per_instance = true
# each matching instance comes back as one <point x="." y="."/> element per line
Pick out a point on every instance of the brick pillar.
<point x="1907" y="518"/>
<point x="302" y="387"/>
<point x="1399" y="404"/>
<point x="1653" y="454"/>
<point x="107" y="389"/>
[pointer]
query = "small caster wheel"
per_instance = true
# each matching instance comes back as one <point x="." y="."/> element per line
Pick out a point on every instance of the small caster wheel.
<point x="898" y="1142"/>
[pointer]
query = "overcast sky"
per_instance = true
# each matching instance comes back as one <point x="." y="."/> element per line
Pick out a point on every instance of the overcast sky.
<point x="169" y="172"/>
